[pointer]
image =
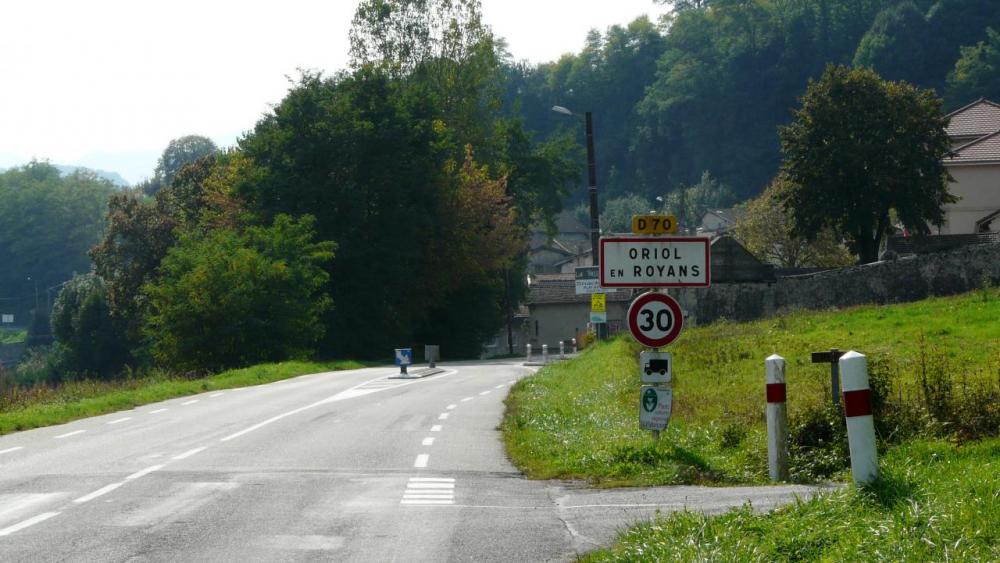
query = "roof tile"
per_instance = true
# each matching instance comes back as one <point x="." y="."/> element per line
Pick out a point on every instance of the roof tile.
<point x="983" y="149"/>
<point x="978" y="118"/>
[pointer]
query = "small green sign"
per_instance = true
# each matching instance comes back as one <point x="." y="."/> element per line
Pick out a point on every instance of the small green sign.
<point x="649" y="400"/>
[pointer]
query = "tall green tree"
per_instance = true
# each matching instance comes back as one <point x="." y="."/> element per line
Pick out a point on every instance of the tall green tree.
<point x="859" y="147"/>
<point x="179" y="153"/>
<point x="47" y="224"/>
<point x="90" y="340"/>
<point x="977" y="73"/>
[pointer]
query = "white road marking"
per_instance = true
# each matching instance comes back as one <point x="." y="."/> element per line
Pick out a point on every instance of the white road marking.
<point x="421" y="461"/>
<point x="68" y="434"/>
<point x="146" y="471"/>
<point x="429" y="490"/>
<point x="501" y="386"/>
<point x="451" y="406"/>
<point x="98" y="492"/>
<point x="427" y="442"/>
<point x="417" y="485"/>
<point x="29" y="522"/>
<point x="511" y="382"/>
<point x="443" y="416"/>
<point x="14" y="449"/>
<point x="214" y="395"/>
<point x="189" y="453"/>
<point x="158" y="411"/>
<point x="485" y="393"/>
<point x="189" y="403"/>
<point x="355" y="391"/>
<point x="436" y="428"/>
<point x="467" y="399"/>
<point x="120" y="420"/>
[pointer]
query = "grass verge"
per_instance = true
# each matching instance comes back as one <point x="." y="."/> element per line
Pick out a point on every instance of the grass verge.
<point x="579" y="419"/>
<point x="44" y="406"/>
<point x="935" y="501"/>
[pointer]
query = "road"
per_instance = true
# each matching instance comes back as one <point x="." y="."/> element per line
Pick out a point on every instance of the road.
<point x="345" y="466"/>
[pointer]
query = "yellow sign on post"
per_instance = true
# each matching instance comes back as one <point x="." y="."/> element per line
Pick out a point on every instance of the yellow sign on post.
<point x="598" y="303"/>
<point x="654" y="224"/>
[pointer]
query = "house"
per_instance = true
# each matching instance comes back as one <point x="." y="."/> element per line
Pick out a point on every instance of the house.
<point x="718" y="221"/>
<point x="556" y="312"/>
<point x="561" y="252"/>
<point x="974" y="166"/>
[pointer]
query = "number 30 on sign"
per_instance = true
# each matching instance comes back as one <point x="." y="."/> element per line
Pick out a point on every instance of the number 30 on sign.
<point x="655" y="319"/>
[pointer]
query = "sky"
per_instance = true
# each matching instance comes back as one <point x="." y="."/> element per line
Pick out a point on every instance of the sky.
<point x="107" y="84"/>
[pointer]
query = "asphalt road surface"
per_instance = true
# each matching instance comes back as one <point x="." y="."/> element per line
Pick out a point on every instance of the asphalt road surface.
<point x="342" y="466"/>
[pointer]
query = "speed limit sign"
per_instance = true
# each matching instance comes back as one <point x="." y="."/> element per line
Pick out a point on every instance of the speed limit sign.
<point x="655" y="319"/>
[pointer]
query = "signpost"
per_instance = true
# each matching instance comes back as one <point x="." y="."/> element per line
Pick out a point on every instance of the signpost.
<point x="588" y="281"/>
<point x="654" y="407"/>
<point x="654" y="224"/>
<point x="655" y="262"/>
<point x="833" y="358"/>
<point x="404" y="357"/>
<point x="655" y="319"/>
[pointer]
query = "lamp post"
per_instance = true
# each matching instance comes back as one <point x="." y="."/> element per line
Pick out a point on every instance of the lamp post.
<point x="595" y="227"/>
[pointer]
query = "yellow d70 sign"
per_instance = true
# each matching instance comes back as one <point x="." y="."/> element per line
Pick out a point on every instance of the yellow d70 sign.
<point x="654" y="224"/>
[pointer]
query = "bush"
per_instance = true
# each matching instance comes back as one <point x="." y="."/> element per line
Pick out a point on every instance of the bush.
<point x="231" y="299"/>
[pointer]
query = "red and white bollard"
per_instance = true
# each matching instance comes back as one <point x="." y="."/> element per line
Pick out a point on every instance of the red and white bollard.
<point x="858" y="411"/>
<point x="777" y="419"/>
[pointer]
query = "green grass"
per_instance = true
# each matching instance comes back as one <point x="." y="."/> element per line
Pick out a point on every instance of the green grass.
<point x="579" y="419"/>
<point x="13" y="336"/>
<point x="935" y="501"/>
<point x="44" y="406"/>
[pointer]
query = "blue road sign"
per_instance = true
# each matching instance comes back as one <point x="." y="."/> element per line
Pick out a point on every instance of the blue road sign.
<point x="404" y="356"/>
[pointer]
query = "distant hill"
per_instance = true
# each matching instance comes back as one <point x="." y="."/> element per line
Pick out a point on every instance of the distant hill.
<point x="112" y="177"/>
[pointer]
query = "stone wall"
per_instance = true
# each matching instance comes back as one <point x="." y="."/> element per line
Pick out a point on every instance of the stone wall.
<point x="907" y="279"/>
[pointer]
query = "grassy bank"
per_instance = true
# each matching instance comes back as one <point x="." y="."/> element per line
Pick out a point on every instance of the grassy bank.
<point x="22" y="409"/>
<point x="935" y="501"/>
<point x="935" y="362"/>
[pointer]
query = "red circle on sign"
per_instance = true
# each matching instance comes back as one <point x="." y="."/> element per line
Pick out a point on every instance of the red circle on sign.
<point x="654" y="329"/>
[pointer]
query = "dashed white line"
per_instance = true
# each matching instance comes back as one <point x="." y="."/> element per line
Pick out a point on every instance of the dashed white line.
<point x="29" y="522"/>
<point x="146" y="471"/>
<point x="451" y="406"/>
<point x="485" y="393"/>
<point x="98" y="492"/>
<point x="511" y="382"/>
<point x="443" y="416"/>
<point x="436" y="428"/>
<point x="120" y="420"/>
<point x="189" y="453"/>
<point x="501" y="386"/>
<point x="421" y="461"/>
<point x="189" y="402"/>
<point x="426" y="442"/>
<point x="214" y="395"/>
<point x="467" y="399"/>
<point x="68" y="434"/>
<point x="14" y="449"/>
<point x="158" y="411"/>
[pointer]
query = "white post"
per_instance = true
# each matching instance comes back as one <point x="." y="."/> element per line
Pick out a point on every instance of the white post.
<point x="545" y="353"/>
<point x="777" y="419"/>
<point x="574" y="345"/>
<point x="528" y="347"/>
<point x="562" y="350"/>
<point x="858" y="411"/>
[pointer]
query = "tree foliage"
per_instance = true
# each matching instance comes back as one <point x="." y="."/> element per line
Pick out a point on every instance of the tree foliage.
<point x="977" y="72"/>
<point x="690" y="203"/>
<point x="179" y="153"/>
<point x="47" y="224"/>
<point x="90" y="340"/>
<point x="230" y="298"/>
<point x="766" y="229"/>
<point x="860" y="147"/>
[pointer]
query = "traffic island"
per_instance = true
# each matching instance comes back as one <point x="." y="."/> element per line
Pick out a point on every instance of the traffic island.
<point x="418" y="373"/>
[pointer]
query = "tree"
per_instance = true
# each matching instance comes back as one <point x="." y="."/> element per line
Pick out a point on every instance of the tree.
<point x="178" y="154"/>
<point x="90" y="340"/>
<point x="860" y="147"/>
<point x="897" y="46"/>
<point x="618" y="212"/>
<point x="230" y="299"/>
<point x="766" y="230"/>
<point x="47" y="224"/>
<point x="977" y="72"/>
<point x="690" y="203"/>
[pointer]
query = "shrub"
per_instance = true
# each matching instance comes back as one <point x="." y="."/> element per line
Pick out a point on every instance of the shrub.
<point x="230" y="299"/>
<point x="91" y="340"/>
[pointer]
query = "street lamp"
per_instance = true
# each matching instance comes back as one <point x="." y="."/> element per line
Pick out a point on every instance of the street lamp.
<point x="595" y="227"/>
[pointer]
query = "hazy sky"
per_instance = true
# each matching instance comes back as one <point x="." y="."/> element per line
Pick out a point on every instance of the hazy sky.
<point x="108" y="83"/>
